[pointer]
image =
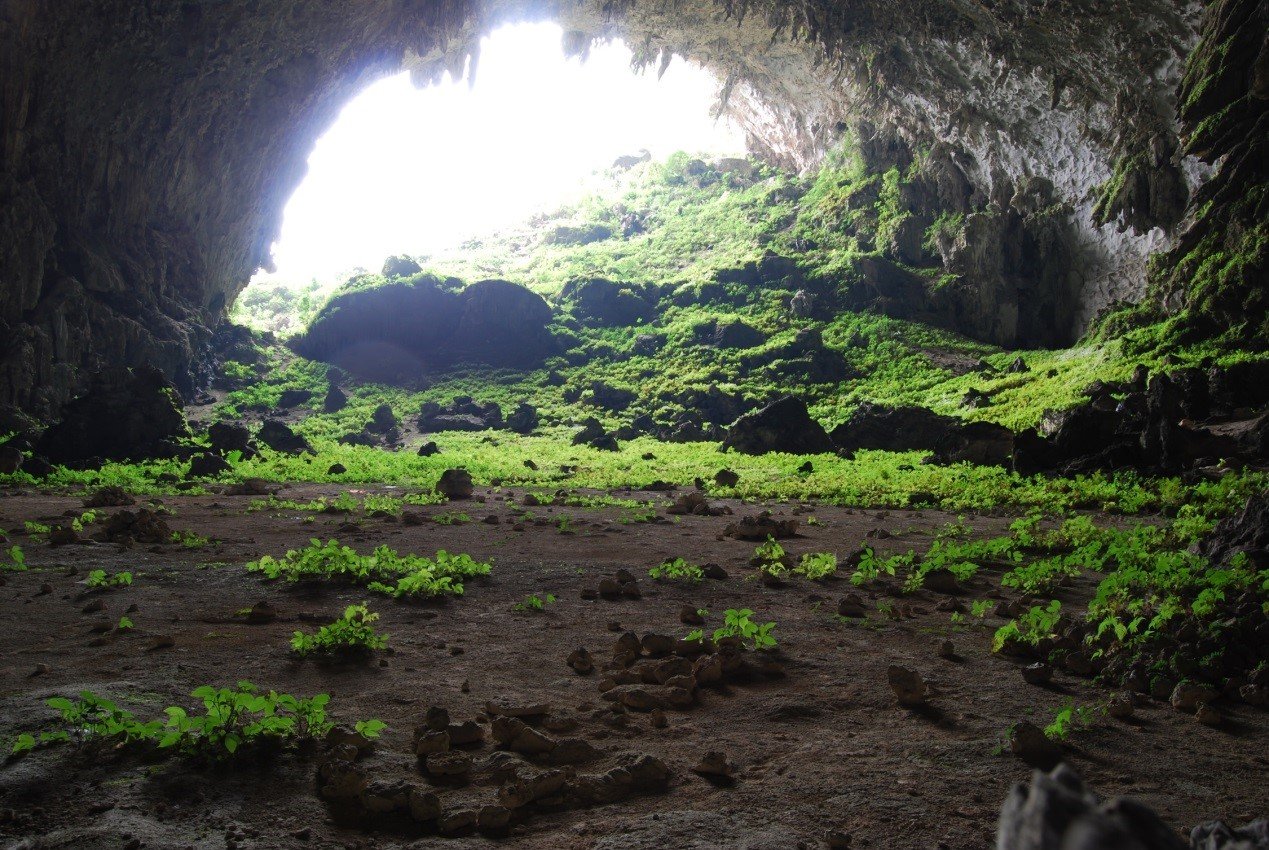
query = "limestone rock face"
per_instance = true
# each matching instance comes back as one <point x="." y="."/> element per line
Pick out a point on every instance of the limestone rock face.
<point x="147" y="150"/>
<point x="122" y="416"/>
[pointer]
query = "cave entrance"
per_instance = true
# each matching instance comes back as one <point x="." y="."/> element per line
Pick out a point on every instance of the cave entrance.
<point x="411" y="171"/>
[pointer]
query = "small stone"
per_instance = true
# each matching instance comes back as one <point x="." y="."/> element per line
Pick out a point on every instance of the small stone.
<point x="424" y="805"/>
<point x="581" y="661"/>
<point x="94" y="606"/>
<point x="162" y="642"/>
<point x="714" y="765"/>
<point x="448" y="763"/>
<point x="1188" y="696"/>
<point x="1038" y="673"/>
<point x="514" y="707"/>
<point x="689" y="616"/>
<point x="852" y="606"/>
<point x="908" y="686"/>
<point x="493" y="818"/>
<point x="946" y="649"/>
<point x="453" y="823"/>
<point x="1207" y="715"/>
<point x="1120" y="706"/>
<point x="1033" y="746"/>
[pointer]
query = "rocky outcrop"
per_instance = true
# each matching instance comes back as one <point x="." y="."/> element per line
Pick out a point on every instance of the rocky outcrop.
<point x="148" y="151"/>
<point x="124" y="415"/>
<point x="782" y="426"/>
<point x="895" y="429"/>
<point x="399" y="329"/>
<point x="604" y="304"/>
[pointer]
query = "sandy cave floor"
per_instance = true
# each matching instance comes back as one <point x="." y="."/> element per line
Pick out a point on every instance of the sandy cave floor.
<point x="822" y="748"/>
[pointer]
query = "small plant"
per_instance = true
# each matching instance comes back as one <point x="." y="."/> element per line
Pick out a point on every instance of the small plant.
<point x="233" y="718"/>
<point x="36" y="529"/>
<point x="451" y="518"/>
<point x="383" y="571"/>
<point x="768" y="552"/>
<point x="817" y="565"/>
<point x="871" y="567"/>
<point x="564" y="524"/>
<point x="980" y="608"/>
<point x="677" y="569"/>
<point x="16" y="560"/>
<point x="101" y="580"/>
<point x="369" y="729"/>
<point x="534" y="603"/>
<point x="739" y="623"/>
<point x="352" y="632"/>
<point x="189" y="540"/>
<point x="125" y="623"/>
<point x="1070" y="718"/>
<point x="1034" y="625"/>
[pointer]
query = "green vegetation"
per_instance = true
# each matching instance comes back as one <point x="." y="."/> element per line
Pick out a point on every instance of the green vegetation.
<point x="677" y="569"/>
<point x="1071" y="717"/>
<point x="101" y="580"/>
<point x="1035" y="624"/>
<point x="354" y="631"/>
<point x="534" y="603"/>
<point x="817" y="565"/>
<point x="234" y="721"/>
<point x="739" y="623"/>
<point x="383" y="571"/>
<point x="15" y="560"/>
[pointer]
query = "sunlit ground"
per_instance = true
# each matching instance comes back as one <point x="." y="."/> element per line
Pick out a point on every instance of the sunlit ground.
<point x="408" y="170"/>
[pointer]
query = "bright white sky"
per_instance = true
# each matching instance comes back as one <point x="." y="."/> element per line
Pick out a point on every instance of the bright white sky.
<point x="410" y="171"/>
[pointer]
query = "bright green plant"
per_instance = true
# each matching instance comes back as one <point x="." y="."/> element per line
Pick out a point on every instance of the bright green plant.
<point x="125" y="623"/>
<point x="817" y="565"/>
<point x="383" y="571"/>
<point x="100" y="579"/>
<point x="1031" y="627"/>
<point x="739" y="623"/>
<point x="1071" y="717"/>
<point x="16" y="560"/>
<point x="189" y="540"/>
<point x="352" y="632"/>
<point x="677" y="569"/>
<point x="870" y="567"/>
<point x="534" y="603"/>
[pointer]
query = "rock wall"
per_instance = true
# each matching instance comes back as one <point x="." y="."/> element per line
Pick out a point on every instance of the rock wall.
<point x="148" y="146"/>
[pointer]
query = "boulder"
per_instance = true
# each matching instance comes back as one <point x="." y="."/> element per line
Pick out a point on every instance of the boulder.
<point x="1246" y="532"/>
<point x="524" y="419"/>
<point x="335" y="401"/>
<point x="293" y="398"/>
<point x="124" y="415"/>
<point x="782" y="426"/>
<point x="603" y="303"/>
<point x="382" y="420"/>
<point x="1056" y="812"/>
<point x="983" y="443"/>
<point x="278" y="436"/>
<point x="895" y="429"/>
<point x="393" y="330"/>
<point x="400" y="266"/>
<point x="737" y="334"/>
<point x="455" y="484"/>
<point x="226" y="437"/>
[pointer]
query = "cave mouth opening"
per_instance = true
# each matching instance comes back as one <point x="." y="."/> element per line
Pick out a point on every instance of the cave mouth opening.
<point x="407" y="170"/>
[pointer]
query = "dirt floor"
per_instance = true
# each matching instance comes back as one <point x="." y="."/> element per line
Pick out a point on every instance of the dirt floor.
<point x="819" y="744"/>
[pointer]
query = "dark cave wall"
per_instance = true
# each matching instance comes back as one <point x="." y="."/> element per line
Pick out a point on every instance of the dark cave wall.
<point x="149" y="147"/>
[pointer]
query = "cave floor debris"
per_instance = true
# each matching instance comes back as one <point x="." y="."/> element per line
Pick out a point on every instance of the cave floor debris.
<point x="818" y="747"/>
